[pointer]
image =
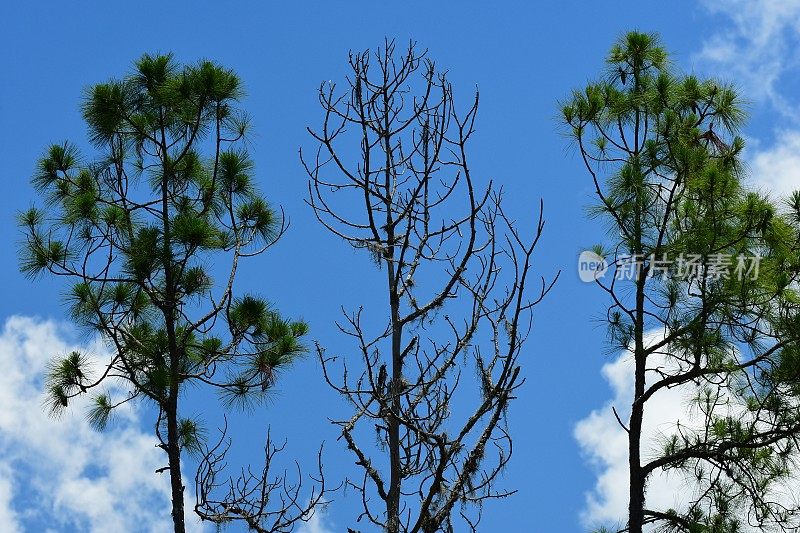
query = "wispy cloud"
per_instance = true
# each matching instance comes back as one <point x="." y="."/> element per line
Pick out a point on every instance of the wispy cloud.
<point x="61" y="472"/>
<point x="318" y="523"/>
<point x="8" y="517"/>
<point x="775" y="169"/>
<point x="755" y="47"/>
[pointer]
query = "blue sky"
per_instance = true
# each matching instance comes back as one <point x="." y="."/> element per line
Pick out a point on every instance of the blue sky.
<point x="523" y="56"/>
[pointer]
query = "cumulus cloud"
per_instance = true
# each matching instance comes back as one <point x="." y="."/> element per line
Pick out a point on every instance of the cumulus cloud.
<point x="605" y="444"/>
<point x="61" y="472"/>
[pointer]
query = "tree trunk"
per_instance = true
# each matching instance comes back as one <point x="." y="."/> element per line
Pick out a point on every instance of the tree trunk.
<point x="395" y="479"/>
<point x="171" y="408"/>
<point x="637" y="481"/>
<point x="174" y="455"/>
<point x="395" y="475"/>
<point x="637" y="478"/>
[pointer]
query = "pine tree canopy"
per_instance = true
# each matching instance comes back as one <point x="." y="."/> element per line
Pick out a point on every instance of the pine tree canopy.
<point x="150" y="231"/>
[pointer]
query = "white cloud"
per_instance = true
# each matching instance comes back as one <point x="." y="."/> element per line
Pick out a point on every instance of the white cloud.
<point x="759" y="50"/>
<point x="756" y="49"/>
<point x="605" y="444"/>
<point x="775" y="170"/>
<point x="8" y="517"/>
<point x="318" y="523"/>
<point x="62" y="472"/>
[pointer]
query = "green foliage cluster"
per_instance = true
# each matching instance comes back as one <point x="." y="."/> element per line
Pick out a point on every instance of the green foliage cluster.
<point x="141" y="230"/>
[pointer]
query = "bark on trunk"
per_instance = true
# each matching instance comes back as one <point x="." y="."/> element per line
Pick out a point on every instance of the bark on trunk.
<point x="174" y="454"/>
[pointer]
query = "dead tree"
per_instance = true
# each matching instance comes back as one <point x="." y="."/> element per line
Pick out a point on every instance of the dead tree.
<point x="264" y="501"/>
<point x="390" y="176"/>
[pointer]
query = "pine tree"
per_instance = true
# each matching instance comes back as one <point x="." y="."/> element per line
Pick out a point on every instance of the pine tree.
<point x="711" y="303"/>
<point x="141" y="230"/>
